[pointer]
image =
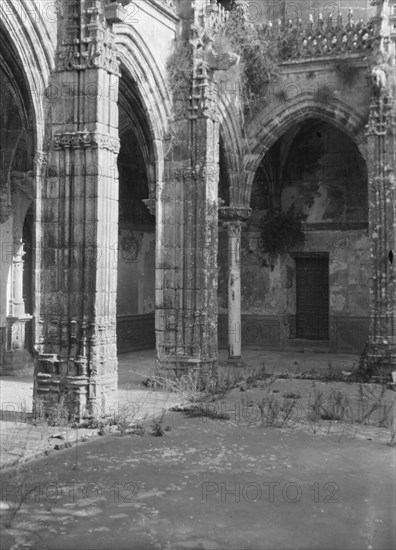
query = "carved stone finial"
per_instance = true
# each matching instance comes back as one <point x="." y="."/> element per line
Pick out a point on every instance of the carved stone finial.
<point x="221" y="62"/>
<point x="383" y="74"/>
<point x="383" y="71"/>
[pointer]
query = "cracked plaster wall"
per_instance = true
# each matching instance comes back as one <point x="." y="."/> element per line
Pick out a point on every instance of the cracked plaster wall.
<point x="325" y="179"/>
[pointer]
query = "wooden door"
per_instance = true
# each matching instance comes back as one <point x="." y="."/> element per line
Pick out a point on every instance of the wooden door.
<point x="312" y="315"/>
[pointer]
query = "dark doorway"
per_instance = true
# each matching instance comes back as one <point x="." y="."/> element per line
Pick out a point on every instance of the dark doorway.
<point x="312" y="315"/>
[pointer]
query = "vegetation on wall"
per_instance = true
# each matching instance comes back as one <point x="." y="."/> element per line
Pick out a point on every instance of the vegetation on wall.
<point x="180" y="68"/>
<point x="258" y="48"/>
<point x="281" y="232"/>
<point x="259" y="52"/>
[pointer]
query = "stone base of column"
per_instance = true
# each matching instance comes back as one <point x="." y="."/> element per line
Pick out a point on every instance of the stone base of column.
<point x="82" y="396"/>
<point x="17" y="362"/>
<point x="380" y="359"/>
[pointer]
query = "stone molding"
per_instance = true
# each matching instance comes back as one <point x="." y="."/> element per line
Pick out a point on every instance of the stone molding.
<point x="77" y="140"/>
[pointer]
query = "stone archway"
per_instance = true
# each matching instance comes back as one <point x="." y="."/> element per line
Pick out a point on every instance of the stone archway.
<point x="77" y="351"/>
<point x="268" y="127"/>
<point x="136" y="226"/>
<point x="17" y="189"/>
<point x="315" y="171"/>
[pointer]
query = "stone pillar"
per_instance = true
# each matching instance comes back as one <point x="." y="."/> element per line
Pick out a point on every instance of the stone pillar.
<point x="233" y="219"/>
<point x="381" y="137"/>
<point x="77" y="225"/>
<point x="187" y="221"/>
<point x="17" y="357"/>
<point x="381" y="354"/>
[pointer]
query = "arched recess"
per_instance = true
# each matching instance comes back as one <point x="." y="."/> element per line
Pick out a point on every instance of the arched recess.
<point x="266" y="128"/>
<point x="230" y="150"/>
<point x="314" y="170"/>
<point x="26" y="55"/>
<point x="23" y="28"/>
<point x="144" y="112"/>
<point x="149" y="93"/>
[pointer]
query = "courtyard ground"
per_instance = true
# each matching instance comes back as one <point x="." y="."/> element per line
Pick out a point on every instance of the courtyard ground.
<point x="237" y="473"/>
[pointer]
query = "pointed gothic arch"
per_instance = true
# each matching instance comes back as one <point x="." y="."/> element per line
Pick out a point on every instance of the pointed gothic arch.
<point x="268" y="127"/>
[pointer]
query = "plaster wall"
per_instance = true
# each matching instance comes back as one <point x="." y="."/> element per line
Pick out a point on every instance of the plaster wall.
<point x="136" y="271"/>
<point x="328" y="82"/>
<point x="271" y="290"/>
<point x="319" y="172"/>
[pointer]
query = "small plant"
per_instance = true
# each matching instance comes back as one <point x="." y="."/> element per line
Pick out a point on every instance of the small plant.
<point x="58" y="414"/>
<point x="275" y="413"/>
<point x="16" y="477"/>
<point x="157" y="427"/>
<point x="291" y="395"/>
<point x="333" y="374"/>
<point x="371" y="401"/>
<point x="15" y="507"/>
<point x="137" y="429"/>
<point x="199" y="411"/>
<point x="335" y="408"/>
<point x="188" y="386"/>
<point x="281" y="232"/>
<point x="149" y="383"/>
<point x="392" y="441"/>
<point x="180" y="68"/>
<point x="259" y="52"/>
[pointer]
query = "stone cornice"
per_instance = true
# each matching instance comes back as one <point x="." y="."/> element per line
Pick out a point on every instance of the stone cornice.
<point x="76" y="140"/>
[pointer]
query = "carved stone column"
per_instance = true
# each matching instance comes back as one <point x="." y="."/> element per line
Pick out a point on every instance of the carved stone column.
<point x="233" y="219"/>
<point x="187" y="240"/>
<point x="381" y="136"/>
<point x="381" y="354"/>
<point x="77" y="228"/>
<point x="17" y="357"/>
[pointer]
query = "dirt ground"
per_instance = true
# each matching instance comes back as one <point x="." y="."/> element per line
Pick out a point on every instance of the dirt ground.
<point x="249" y="481"/>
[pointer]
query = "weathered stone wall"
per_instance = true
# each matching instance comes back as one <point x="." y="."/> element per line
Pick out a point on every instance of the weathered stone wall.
<point x="269" y="294"/>
<point x="316" y="169"/>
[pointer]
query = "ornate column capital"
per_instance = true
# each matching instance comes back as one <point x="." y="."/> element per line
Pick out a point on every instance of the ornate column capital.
<point x="233" y="214"/>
